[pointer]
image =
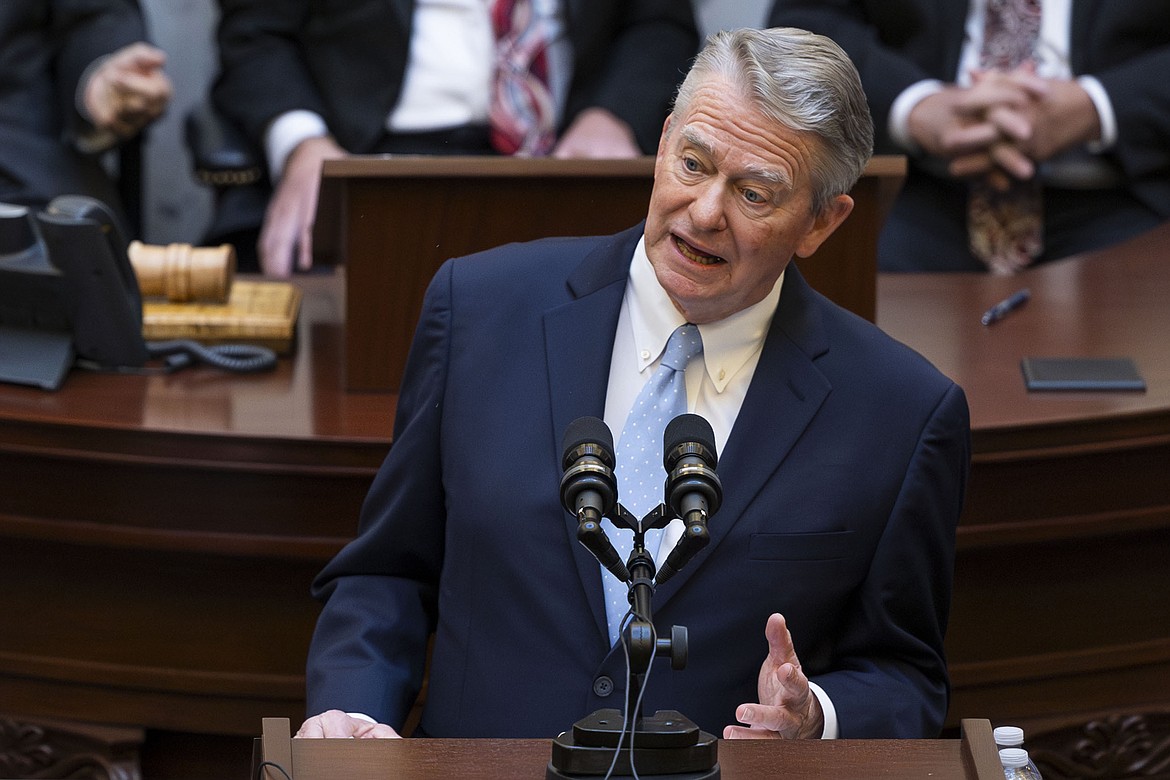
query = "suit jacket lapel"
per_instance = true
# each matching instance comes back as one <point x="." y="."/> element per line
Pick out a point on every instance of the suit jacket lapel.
<point x="785" y="394"/>
<point x="579" y="347"/>
<point x="953" y="32"/>
<point x="1084" y="12"/>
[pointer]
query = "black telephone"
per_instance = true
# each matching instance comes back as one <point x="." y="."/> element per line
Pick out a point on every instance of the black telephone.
<point x="68" y="291"/>
<point x="36" y="345"/>
<point x="82" y="238"/>
<point x="83" y="303"/>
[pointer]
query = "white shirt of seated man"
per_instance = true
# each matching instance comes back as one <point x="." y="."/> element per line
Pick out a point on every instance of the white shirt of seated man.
<point x="448" y="81"/>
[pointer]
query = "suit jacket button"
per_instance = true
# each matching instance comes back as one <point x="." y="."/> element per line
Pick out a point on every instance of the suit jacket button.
<point x="603" y="686"/>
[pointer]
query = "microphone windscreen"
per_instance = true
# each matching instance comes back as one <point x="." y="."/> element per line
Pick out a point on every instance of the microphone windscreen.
<point x="586" y="430"/>
<point x="687" y="429"/>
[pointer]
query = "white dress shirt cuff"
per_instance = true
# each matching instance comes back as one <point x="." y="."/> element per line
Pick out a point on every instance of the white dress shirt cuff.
<point x="285" y="133"/>
<point x="1105" y="113"/>
<point x="832" y="728"/>
<point x="899" y="120"/>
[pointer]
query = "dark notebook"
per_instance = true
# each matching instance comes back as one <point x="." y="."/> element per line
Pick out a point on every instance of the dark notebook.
<point x="1081" y="373"/>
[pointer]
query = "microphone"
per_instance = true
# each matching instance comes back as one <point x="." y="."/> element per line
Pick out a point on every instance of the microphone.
<point x="589" y="488"/>
<point x="693" y="490"/>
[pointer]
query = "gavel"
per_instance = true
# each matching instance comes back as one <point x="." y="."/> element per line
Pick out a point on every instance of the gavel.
<point x="183" y="273"/>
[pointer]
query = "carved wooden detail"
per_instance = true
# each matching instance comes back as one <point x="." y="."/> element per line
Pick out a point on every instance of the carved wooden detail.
<point x="1115" y="747"/>
<point x="31" y="750"/>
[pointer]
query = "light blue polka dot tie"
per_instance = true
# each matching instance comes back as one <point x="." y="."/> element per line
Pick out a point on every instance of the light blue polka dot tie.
<point x="639" y="457"/>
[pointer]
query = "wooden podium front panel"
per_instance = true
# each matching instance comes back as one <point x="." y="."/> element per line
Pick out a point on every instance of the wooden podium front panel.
<point x="394" y="220"/>
<point x="972" y="757"/>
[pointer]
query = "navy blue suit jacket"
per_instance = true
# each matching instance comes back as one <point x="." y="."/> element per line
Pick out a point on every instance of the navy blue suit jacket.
<point x="843" y="480"/>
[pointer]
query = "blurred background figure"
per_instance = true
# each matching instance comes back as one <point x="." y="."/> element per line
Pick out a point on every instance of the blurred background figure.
<point x="76" y="81"/>
<point x="309" y="82"/>
<point x="988" y="97"/>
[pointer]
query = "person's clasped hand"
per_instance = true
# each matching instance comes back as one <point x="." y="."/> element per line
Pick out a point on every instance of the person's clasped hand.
<point x="979" y="130"/>
<point x="787" y="709"/>
<point x="128" y="90"/>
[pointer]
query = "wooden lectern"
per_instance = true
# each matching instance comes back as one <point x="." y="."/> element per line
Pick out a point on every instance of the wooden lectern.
<point x="393" y="221"/>
<point x="972" y="757"/>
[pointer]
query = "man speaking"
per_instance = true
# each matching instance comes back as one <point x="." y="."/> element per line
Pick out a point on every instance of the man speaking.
<point x="818" y="608"/>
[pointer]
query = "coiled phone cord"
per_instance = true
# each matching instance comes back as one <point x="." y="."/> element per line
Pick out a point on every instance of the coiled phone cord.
<point x="237" y="358"/>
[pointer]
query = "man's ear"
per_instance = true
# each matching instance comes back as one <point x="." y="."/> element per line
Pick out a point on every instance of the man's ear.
<point x="661" y="153"/>
<point x="824" y="224"/>
<point x="665" y="132"/>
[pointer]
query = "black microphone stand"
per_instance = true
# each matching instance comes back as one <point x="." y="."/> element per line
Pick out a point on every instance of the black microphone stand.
<point x="668" y="743"/>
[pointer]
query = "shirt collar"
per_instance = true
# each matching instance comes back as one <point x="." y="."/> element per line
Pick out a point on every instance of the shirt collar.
<point x="727" y="344"/>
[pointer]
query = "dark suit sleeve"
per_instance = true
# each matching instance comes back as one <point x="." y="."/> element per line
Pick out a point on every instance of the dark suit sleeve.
<point x="888" y="673"/>
<point x="1141" y="105"/>
<point x="344" y="60"/>
<point x="263" y="72"/>
<point x="369" y="648"/>
<point x="630" y="61"/>
<point x="88" y="31"/>
<point x="865" y="30"/>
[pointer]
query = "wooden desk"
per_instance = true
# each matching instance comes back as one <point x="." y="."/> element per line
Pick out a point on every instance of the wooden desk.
<point x="158" y="534"/>
<point x="1061" y="608"/>
<point x="972" y="757"/>
<point x="394" y="220"/>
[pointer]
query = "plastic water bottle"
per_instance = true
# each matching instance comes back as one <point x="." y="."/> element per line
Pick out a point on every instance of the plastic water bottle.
<point x="1012" y="737"/>
<point x="1017" y="765"/>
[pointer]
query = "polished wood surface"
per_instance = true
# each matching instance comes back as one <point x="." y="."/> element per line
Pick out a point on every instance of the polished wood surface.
<point x="972" y="757"/>
<point x="394" y="220"/>
<point x="1061" y="608"/>
<point x="1104" y="304"/>
<point x="158" y="533"/>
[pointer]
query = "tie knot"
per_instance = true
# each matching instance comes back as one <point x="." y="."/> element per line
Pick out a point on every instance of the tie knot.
<point x="684" y="344"/>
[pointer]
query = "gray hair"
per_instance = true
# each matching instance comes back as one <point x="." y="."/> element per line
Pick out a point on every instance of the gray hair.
<point x="804" y="82"/>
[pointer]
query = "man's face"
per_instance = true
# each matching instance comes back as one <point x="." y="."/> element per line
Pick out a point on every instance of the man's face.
<point x="732" y="203"/>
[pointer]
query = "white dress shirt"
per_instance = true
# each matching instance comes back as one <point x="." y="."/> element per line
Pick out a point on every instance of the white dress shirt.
<point x="448" y="80"/>
<point x="717" y="380"/>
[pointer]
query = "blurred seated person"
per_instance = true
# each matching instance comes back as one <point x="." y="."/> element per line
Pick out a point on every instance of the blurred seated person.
<point x="1054" y="139"/>
<point x="314" y="81"/>
<point x="76" y="80"/>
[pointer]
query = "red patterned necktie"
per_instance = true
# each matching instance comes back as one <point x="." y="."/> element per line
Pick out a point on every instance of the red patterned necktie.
<point x="521" y="113"/>
<point x="1005" y="228"/>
